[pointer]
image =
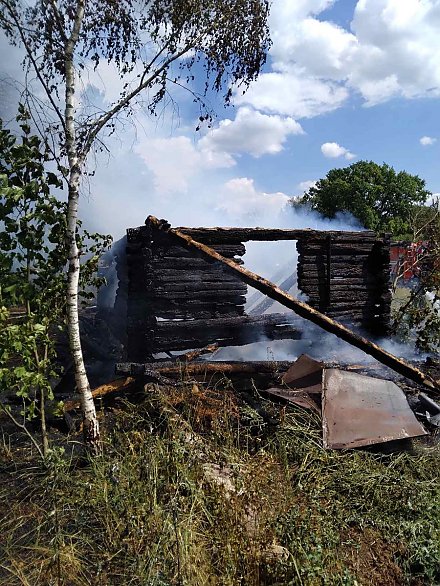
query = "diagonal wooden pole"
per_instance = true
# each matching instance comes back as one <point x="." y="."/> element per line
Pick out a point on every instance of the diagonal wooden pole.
<point x="299" y="307"/>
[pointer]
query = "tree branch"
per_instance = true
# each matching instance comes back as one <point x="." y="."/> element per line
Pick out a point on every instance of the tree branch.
<point x="32" y="59"/>
<point x="58" y="19"/>
<point x="24" y="429"/>
<point x="428" y="223"/>
<point x="99" y="124"/>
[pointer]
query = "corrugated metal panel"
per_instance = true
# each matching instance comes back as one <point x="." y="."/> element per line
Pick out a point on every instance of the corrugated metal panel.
<point x="360" y="410"/>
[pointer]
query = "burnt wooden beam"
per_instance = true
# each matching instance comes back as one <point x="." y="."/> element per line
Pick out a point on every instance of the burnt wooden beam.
<point x="346" y="295"/>
<point x="312" y="271"/>
<point x="339" y="248"/>
<point x="196" y="277"/>
<point x="202" y="368"/>
<point x="348" y="259"/>
<point x="301" y="308"/>
<point x="224" y="235"/>
<point x="177" y="263"/>
<point x="233" y="296"/>
<point x="367" y="280"/>
<point x="219" y="287"/>
<point x="228" y="250"/>
<point x="221" y="324"/>
<point x="115" y="386"/>
<point x="174" y="309"/>
<point x="232" y="331"/>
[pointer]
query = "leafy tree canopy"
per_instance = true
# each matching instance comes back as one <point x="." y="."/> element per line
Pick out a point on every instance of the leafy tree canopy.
<point x="152" y="44"/>
<point x="380" y="198"/>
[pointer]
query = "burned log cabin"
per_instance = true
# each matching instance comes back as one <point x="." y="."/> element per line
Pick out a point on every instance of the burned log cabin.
<point x="175" y="300"/>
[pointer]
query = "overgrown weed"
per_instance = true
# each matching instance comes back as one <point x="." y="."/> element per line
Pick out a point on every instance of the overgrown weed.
<point x="198" y="488"/>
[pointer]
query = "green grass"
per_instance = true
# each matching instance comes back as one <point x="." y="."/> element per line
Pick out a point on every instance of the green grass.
<point x="285" y="511"/>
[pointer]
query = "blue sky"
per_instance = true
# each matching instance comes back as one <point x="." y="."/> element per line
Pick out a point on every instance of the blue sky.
<point x="345" y="81"/>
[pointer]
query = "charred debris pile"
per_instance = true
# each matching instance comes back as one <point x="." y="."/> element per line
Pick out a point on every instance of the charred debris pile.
<point x="184" y="293"/>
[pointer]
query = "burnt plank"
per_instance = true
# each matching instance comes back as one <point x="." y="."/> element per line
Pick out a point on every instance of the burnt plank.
<point x="217" y="288"/>
<point x="229" y="251"/>
<point x="232" y="296"/>
<point x="222" y="235"/>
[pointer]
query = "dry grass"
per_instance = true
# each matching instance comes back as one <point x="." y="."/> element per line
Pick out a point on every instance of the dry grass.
<point x="198" y="488"/>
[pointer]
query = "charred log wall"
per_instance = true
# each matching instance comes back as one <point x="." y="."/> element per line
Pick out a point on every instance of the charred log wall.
<point x="176" y="300"/>
<point x="167" y="282"/>
<point x="347" y="277"/>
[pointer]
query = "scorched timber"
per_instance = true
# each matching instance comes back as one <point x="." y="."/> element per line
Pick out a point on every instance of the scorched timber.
<point x="172" y="335"/>
<point x="201" y="368"/>
<point x="301" y="308"/>
<point x="311" y="271"/>
<point x="176" y="251"/>
<point x="199" y="278"/>
<point x="179" y="263"/>
<point x="237" y="235"/>
<point x="319" y="258"/>
<point x="173" y="309"/>
<point x="368" y="280"/>
<point x="346" y="295"/>
<point x="226" y="295"/>
<point x="218" y="287"/>
<point x="344" y="285"/>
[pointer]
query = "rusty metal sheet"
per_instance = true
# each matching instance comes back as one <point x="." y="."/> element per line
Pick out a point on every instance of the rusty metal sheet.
<point x="305" y="374"/>
<point x="299" y="398"/>
<point x="360" y="411"/>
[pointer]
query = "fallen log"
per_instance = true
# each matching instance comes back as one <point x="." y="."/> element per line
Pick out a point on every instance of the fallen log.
<point x="200" y="368"/>
<point x="302" y="309"/>
<point x="189" y="356"/>
<point x="118" y="385"/>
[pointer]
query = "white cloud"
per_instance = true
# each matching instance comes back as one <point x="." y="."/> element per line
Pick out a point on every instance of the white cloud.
<point x="333" y="150"/>
<point x="251" y="132"/>
<point x="306" y="185"/>
<point x="293" y="93"/>
<point x="427" y="140"/>
<point x="241" y="199"/>
<point x="175" y="161"/>
<point x="392" y="50"/>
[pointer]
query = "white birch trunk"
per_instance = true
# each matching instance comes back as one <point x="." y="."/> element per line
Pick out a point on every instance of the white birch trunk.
<point x="90" y="421"/>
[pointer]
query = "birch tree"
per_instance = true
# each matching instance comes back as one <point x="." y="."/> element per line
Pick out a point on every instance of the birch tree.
<point x="153" y="45"/>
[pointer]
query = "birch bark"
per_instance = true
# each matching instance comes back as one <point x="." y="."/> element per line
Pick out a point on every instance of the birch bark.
<point x="90" y="421"/>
